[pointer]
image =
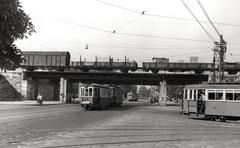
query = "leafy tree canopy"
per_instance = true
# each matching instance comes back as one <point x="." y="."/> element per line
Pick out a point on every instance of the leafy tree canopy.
<point x="143" y="92"/>
<point x="128" y="88"/>
<point x="15" y="24"/>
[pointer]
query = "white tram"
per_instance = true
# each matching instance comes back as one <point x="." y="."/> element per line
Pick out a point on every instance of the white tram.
<point x="221" y="101"/>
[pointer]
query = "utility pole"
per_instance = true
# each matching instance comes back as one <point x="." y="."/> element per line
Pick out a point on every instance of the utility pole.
<point x="222" y="46"/>
<point x="214" y="61"/>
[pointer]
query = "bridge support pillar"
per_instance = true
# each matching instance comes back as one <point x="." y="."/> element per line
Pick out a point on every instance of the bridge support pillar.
<point x="163" y="93"/>
<point x="63" y="90"/>
<point x="65" y="87"/>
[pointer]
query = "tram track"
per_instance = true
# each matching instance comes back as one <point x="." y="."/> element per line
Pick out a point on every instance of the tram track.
<point x="96" y="129"/>
<point x="130" y="139"/>
<point x="102" y="134"/>
<point x="127" y="143"/>
<point x="35" y="112"/>
<point x="37" y="116"/>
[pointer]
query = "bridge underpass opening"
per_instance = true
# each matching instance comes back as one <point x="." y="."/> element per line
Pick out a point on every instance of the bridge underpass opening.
<point x="66" y="79"/>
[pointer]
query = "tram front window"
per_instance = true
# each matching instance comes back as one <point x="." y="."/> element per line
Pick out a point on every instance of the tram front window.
<point x="86" y="92"/>
<point x="82" y="91"/>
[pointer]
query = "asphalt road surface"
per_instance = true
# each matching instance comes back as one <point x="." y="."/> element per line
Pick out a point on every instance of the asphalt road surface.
<point x="134" y="124"/>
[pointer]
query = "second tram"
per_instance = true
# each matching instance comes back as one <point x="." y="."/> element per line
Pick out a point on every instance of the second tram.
<point x="132" y="96"/>
<point x="213" y="100"/>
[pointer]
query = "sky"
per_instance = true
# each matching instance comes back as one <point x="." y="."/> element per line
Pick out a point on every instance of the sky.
<point x="136" y="29"/>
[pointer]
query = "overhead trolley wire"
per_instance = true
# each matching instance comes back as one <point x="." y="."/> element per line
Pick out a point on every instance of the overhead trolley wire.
<point x="77" y="24"/>
<point x="118" y="6"/>
<point x="152" y="36"/>
<point x="114" y="31"/>
<point x="169" y="17"/>
<point x="200" y="4"/>
<point x="198" y="21"/>
<point x="129" y="34"/>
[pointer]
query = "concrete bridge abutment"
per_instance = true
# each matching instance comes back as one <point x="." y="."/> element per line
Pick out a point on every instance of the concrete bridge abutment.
<point x="163" y="93"/>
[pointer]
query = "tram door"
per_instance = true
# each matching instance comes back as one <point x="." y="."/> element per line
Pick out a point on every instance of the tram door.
<point x="97" y="96"/>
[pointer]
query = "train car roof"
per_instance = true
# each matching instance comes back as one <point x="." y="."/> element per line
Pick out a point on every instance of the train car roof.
<point x="214" y="86"/>
<point x="96" y="85"/>
<point x="46" y="52"/>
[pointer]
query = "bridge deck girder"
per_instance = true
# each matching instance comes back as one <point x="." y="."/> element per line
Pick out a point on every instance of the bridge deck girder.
<point x="121" y="78"/>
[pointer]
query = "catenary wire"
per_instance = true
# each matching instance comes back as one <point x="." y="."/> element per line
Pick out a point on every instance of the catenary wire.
<point x="152" y="36"/>
<point x="209" y="19"/>
<point x="198" y="21"/>
<point x="123" y="25"/>
<point x="114" y="31"/>
<point x="129" y="34"/>
<point x="169" y="17"/>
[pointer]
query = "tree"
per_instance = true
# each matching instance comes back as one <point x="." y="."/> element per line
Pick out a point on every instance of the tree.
<point x="143" y="92"/>
<point x="128" y="88"/>
<point x="175" y="91"/>
<point x="15" y="24"/>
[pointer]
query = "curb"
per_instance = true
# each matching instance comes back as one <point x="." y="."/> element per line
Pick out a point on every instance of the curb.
<point x="33" y="103"/>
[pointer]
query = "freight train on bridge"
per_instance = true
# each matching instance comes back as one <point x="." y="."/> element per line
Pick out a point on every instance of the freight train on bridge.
<point x="61" y="61"/>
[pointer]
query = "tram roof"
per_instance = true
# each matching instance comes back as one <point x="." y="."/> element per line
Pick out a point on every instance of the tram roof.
<point x="214" y="86"/>
<point x="96" y="85"/>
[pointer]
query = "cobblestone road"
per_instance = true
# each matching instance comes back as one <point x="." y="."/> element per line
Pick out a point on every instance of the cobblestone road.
<point x="135" y="124"/>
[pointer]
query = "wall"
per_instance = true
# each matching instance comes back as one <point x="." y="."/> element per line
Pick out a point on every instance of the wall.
<point x="27" y="88"/>
<point x="15" y="78"/>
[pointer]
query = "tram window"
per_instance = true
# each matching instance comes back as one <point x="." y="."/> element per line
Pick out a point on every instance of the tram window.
<point x="229" y="96"/>
<point x="102" y="93"/>
<point x="219" y="96"/>
<point x="86" y="92"/>
<point x="108" y="93"/>
<point x="190" y="97"/>
<point x="211" y="96"/>
<point x="185" y="93"/>
<point x="95" y="92"/>
<point x="237" y="96"/>
<point x="195" y="95"/>
<point x="81" y="91"/>
<point x="90" y="92"/>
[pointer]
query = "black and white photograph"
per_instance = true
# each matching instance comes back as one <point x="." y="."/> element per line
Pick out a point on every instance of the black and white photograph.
<point x="119" y="73"/>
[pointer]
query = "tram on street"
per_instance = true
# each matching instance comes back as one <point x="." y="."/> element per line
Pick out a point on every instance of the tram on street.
<point x="132" y="96"/>
<point x="213" y="100"/>
<point x="116" y="96"/>
<point x="99" y="96"/>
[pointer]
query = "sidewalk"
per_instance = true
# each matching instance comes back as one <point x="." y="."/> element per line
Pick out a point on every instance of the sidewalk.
<point x="29" y="102"/>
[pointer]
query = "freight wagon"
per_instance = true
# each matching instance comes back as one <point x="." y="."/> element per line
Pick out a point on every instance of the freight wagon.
<point x="198" y="68"/>
<point x="45" y="60"/>
<point x="123" y="66"/>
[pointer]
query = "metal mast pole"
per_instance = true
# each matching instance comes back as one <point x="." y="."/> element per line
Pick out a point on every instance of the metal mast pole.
<point x="214" y="61"/>
<point x="221" y="57"/>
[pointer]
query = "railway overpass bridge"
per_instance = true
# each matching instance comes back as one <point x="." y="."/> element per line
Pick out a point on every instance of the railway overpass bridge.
<point x="60" y="83"/>
<point x="120" y="78"/>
